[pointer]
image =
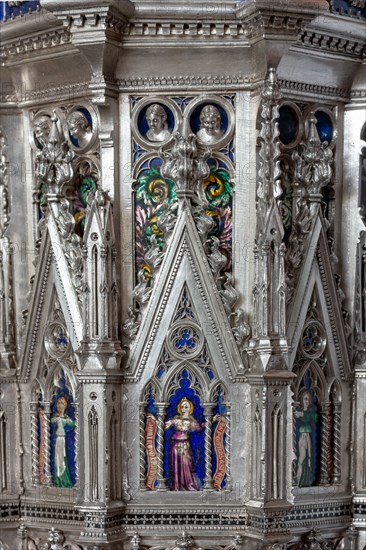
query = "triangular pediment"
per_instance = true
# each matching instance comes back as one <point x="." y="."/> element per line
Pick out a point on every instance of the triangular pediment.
<point x="317" y="276"/>
<point x="52" y="282"/>
<point x="185" y="266"/>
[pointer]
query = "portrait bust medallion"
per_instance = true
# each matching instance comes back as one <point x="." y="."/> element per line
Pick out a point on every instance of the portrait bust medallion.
<point x="80" y="129"/>
<point x="156" y="118"/>
<point x="210" y="122"/>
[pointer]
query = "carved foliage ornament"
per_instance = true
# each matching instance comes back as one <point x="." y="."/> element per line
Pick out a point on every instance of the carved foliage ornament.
<point x="314" y="161"/>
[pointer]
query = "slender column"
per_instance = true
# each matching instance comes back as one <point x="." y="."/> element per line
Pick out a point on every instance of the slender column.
<point x="47" y="442"/>
<point x="275" y="465"/>
<point x="282" y="292"/>
<point x="103" y="294"/>
<point x="93" y="454"/>
<point x="228" y="448"/>
<point x="256" y="453"/>
<point x="330" y="450"/>
<point x="3" y="457"/>
<point x="113" y="456"/>
<point x="34" y="442"/>
<point x="114" y="298"/>
<point x="142" y="446"/>
<point x="207" y="408"/>
<point x="264" y="290"/>
<point x="337" y="444"/>
<point x="256" y="293"/>
<point x="160" y="447"/>
<point x="77" y="442"/>
<point x="325" y="427"/>
<point x="295" y="406"/>
<point x="363" y="286"/>
<point x="86" y="297"/>
<point x="352" y="465"/>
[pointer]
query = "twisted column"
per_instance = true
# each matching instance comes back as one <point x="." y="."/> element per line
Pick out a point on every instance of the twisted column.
<point x="324" y="453"/>
<point x="160" y="447"/>
<point x="330" y="451"/>
<point x="47" y="443"/>
<point x="77" y="442"/>
<point x="142" y="445"/>
<point x="337" y="444"/>
<point x="228" y="448"/>
<point x="207" y="408"/>
<point x="34" y="443"/>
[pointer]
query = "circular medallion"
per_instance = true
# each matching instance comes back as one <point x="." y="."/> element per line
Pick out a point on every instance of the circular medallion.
<point x="153" y="122"/>
<point x="313" y="340"/>
<point x="82" y="126"/>
<point x="212" y="120"/>
<point x="56" y="341"/>
<point x="326" y="123"/>
<point x="290" y="125"/>
<point x="185" y="340"/>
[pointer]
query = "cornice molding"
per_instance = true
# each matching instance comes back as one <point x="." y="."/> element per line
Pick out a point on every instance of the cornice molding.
<point x="315" y="91"/>
<point x="66" y="92"/>
<point x="229" y="83"/>
<point x="27" y="44"/>
<point x="333" y="44"/>
<point x="184" y="29"/>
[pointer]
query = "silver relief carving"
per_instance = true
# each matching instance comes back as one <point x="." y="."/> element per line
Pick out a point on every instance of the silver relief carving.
<point x="185" y="164"/>
<point x="157" y="121"/>
<point x="131" y="324"/>
<point x="210" y="120"/>
<point x="53" y="162"/>
<point x="313" y="162"/>
<point x="229" y="295"/>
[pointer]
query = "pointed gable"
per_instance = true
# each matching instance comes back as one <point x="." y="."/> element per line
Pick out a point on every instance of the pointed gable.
<point x="51" y="280"/>
<point x="185" y="266"/>
<point x="317" y="276"/>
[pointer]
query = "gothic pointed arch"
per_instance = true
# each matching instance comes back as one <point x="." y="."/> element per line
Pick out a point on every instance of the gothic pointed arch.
<point x="317" y="280"/>
<point x="185" y="265"/>
<point x="48" y="288"/>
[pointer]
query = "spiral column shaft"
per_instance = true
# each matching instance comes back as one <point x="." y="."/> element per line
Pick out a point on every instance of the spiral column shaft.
<point x="337" y="444"/>
<point x="142" y="446"/>
<point x="228" y="448"/>
<point x="160" y="447"/>
<point x="207" y="407"/>
<point x="47" y="449"/>
<point x="325" y="427"/>
<point x="34" y="444"/>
